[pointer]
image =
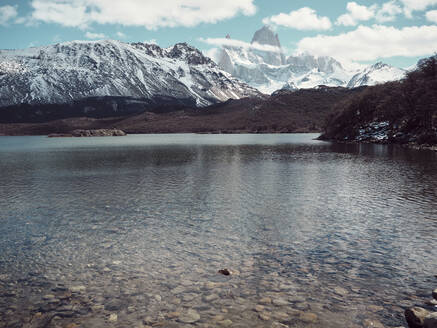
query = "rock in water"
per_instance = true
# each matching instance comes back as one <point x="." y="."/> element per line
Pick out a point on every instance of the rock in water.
<point x="190" y="316"/>
<point x="77" y="289"/>
<point x="431" y="320"/>
<point x="225" y="272"/>
<point x="434" y="294"/>
<point x="113" y="317"/>
<point x="372" y="324"/>
<point x="415" y="317"/>
<point x="308" y="317"/>
<point x="432" y="302"/>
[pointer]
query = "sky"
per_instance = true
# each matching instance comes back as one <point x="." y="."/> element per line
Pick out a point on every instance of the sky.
<point x="398" y="32"/>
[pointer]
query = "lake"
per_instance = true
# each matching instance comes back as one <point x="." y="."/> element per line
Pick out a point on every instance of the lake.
<point x="131" y="231"/>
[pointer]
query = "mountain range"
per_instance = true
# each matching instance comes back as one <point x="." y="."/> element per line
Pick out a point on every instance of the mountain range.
<point x="71" y="71"/>
<point x="264" y="66"/>
<point x="107" y="78"/>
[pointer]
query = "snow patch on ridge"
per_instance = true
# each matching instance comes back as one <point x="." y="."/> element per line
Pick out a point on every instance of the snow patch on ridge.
<point x="73" y="70"/>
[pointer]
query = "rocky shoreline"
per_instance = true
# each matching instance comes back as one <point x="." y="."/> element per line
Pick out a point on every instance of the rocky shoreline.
<point x="419" y="317"/>
<point x="90" y="133"/>
<point x="214" y="303"/>
<point x="410" y="145"/>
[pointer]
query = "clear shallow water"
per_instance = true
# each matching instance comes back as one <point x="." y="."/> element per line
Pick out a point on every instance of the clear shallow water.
<point x="319" y="234"/>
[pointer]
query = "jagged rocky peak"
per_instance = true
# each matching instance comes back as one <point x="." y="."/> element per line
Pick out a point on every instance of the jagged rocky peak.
<point x="272" y="54"/>
<point x="266" y="36"/>
<point x="182" y="51"/>
<point x="188" y="53"/>
<point x="379" y="65"/>
<point x="150" y="49"/>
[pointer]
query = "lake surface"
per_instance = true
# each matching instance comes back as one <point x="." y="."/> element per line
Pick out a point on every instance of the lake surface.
<point x="131" y="231"/>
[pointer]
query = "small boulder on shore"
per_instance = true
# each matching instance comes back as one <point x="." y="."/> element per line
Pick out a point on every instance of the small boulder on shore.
<point x="415" y="317"/>
<point x="418" y="317"/>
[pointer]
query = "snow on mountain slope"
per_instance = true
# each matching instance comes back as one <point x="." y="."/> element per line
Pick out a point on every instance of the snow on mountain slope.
<point x="269" y="70"/>
<point x="74" y="70"/>
<point x="376" y="74"/>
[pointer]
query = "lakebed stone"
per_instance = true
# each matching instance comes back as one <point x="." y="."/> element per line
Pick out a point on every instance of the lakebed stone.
<point x="375" y="308"/>
<point x="113" y="317"/>
<point x="259" y="308"/>
<point x="77" y="289"/>
<point x="340" y="291"/>
<point x="48" y="297"/>
<point x="432" y="302"/>
<point x="211" y="297"/>
<point x="264" y="316"/>
<point x="280" y="302"/>
<point x="173" y="315"/>
<point x="415" y="317"/>
<point x="430" y="320"/>
<point x="281" y="316"/>
<point x="308" y="317"/>
<point x="189" y="316"/>
<point x="368" y="323"/>
<point x="265" y="300"/>
<point x="225" y="323"/>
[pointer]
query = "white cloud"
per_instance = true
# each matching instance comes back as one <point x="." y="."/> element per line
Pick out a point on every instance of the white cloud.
<point x="368" y="43"/>
<point x="416" y="5"/>
<point x="432" y="16"/>
<point x="238" y="44"/>
<point x="388" y="12"/>
<point x="121" y="35"/>
<point x="59" y="11"/>
<point x="355" y="14"/>
<point x="213" y="53"/>
<point x="302" y="19"/>
<point x="7" y="13"/>
<point x="151" y="13"/>
<point x="91" y="35"/>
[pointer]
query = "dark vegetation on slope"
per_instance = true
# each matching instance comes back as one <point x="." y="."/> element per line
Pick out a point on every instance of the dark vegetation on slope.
<point x="396" y="112"/>
<point x="285" y="111"/>
<point x="93" y="107"/>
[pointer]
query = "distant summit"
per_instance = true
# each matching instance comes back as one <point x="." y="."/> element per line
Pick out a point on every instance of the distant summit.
<point x="266" y="36"/>
<point x="376" y="74"/>
<point x="264" y="66"/>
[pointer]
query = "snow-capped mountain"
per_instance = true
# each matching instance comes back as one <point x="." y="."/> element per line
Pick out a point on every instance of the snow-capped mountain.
<point x="375" y="74"/>
<point x="74" y="70"/>
<point x="264" y="66"/>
